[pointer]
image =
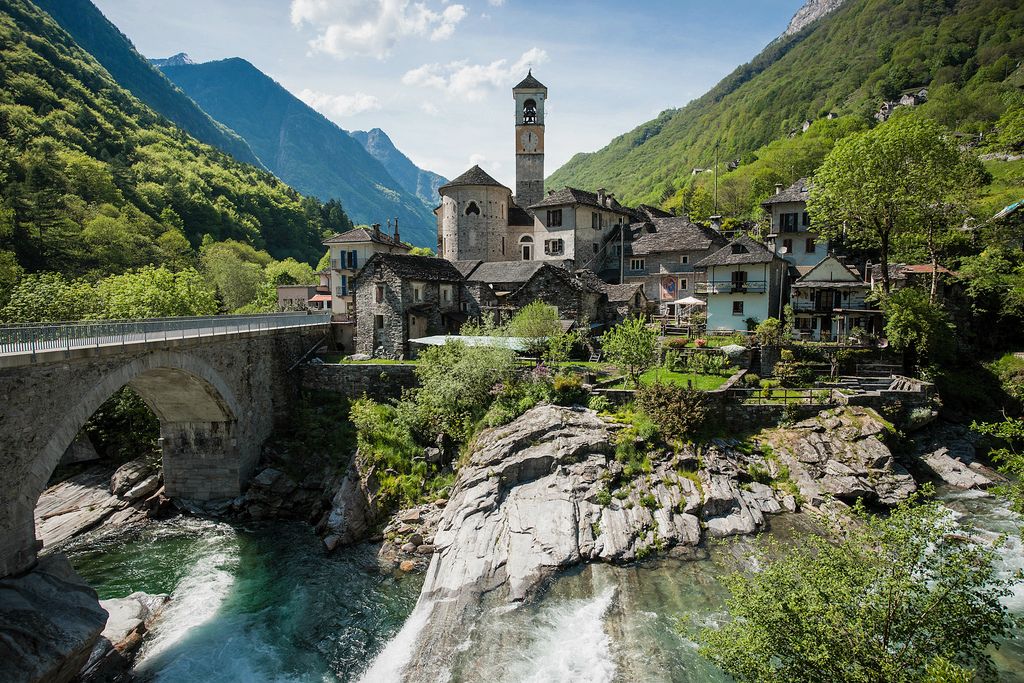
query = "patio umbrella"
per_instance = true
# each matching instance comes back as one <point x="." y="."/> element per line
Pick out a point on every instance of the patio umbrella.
<point x="690" y="301"/>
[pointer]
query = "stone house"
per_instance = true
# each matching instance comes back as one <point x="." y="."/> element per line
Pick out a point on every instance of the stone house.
<point x="401" y="297"/>
<point x="744" y="280"/>
<point x="830" y="301"/>
<point x="791" y="235"/>
<point x="660" y="257"/>
<point x="911" y="275"/>
<point x="623" y="301"/>
<point x="348" y="252"/>
<point x="574" y="298"/>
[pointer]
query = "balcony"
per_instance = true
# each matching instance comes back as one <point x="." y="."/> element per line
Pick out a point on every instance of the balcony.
<point x="732" y="287"/>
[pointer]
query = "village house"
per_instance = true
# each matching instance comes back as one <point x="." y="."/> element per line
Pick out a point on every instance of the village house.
<point x="912" y="275"/>
<point x="401" y="297"/>
<point x="660" y="257"/>
<point x="830" y="301"/>
<point x="791" y="235"/>
<point x="348" y="252"/>
<point x="296" y="297"/>
<point x="743" y="284"/>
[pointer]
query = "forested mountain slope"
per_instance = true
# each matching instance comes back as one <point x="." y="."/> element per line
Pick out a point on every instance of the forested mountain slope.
<point x="967" y="52"/>
<point x="92" y="181"/>
<point x="111" y="48"/>
<point x="301" y="146"/>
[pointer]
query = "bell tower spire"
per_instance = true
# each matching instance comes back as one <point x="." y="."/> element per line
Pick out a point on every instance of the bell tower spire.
<point x="529" y="97"/>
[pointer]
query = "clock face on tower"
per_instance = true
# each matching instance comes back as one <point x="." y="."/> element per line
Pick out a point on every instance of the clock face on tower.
<point x="529" y="141"/>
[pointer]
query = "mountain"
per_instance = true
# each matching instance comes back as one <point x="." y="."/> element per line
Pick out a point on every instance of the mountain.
<point x="301" y="146"/>
<point x="966" y="52"/>
<point x="111" y="48"/>
<point x="412" y="178"/>
<point x="810" y="13"/>
<point x="92" y="181"/>
<point x="180" y="59"/>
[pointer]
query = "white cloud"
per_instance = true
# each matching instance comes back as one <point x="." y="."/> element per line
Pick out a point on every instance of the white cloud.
<point x="496" y="3"/>
<point x="339" y="105"/>
<point x="372" y="27"/>
<point x="430" y="109"/>
<point x="484" y="163"/>
<point x="473" y="81"/>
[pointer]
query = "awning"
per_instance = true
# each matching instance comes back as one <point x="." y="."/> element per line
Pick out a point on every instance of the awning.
<point x="320" y="297"/>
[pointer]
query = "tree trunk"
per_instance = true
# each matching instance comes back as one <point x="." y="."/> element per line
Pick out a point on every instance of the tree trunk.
<point x="935" y="278"/>
<point x="885" y="263"/>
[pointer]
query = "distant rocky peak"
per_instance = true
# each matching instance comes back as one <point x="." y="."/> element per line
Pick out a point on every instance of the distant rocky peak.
<point x="811" y="12"/>
<point x="180" y="59"/>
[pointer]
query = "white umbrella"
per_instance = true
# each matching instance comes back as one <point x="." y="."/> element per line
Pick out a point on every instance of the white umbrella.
<point x="690" y="301"/>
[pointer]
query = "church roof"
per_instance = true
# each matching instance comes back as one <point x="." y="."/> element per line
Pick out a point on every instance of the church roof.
<point x="530" y="83"/>
<point x="474" y="176"/>
<point x="572" y="195"/>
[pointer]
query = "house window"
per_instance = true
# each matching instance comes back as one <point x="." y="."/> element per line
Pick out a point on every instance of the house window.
<point x="446" y="293"/>
<point x="637" y="265"/>
<point x="472" y="209"/>
<point x="353" y="259"/>
<point x="554" y="247"/>
<point x="378" y="322"/>
<point x="502" y="245"/>
<point x="787" y="246"/>
<point x="788" y="222"/>
<point x="684" y="259"/>
<point x="737" y="308"/>
<point x="417" y="292"/>
<point x="739" y="249"/>
<point x="379" y="294"/>
<point x="343" y="287"/>
<point x="683" y="284"/>
<point x="596" y="248"/>
<point x="806" y="219"/>
<point x="739" y="279"/>
<point x="595" y="220"/>
<point x="554" y="218"/>
<point x="809" y="247"/>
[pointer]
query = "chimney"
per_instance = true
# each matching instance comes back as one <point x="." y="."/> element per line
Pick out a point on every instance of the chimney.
<point x="778" y="188"/>
<point x="716" y="223"/>
<point x="376" y="230"/>
<point x="397" y="238"/>
<point x="601" y="197"/>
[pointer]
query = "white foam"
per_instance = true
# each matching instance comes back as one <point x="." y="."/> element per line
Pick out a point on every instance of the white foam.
<point x="387" y="666"/>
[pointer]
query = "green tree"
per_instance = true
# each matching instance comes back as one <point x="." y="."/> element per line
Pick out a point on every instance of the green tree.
<point x="421" y="251"/>
<point x="631" y="345"/>
<point x="896" y="599"/>
<point x="155" y="293"/>
<point x="769" y="332"/>
<point x="235" y="270"/>
<point x="917" y="328"/>
<point x="174" y="251"/>
<point x="536" y="323"/>
<point x="1008" y="454"/>
<point x="50" y="297"/>
<point x="877" y="186"/>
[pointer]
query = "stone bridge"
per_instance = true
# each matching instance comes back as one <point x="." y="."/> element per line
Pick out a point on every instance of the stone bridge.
<point x="217" y="386"/>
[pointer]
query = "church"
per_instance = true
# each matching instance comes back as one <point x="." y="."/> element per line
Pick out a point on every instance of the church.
<point x="479" y="219"/>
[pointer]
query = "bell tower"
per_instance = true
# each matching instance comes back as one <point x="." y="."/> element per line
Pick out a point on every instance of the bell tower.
<point x="529" y="96"/>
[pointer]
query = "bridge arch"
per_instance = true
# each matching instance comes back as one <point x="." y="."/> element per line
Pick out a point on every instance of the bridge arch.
<point x="198" y="413"/>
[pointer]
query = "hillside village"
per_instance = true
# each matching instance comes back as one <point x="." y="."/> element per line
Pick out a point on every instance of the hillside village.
<point x="597" y="261"/>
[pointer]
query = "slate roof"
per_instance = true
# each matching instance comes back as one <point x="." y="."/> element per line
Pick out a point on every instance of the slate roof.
<point x="466" y="267"/>
<point x="591" y="281"/>
<point x="674" y="234"/>
<point x="530" y="83"/>
<point x="797" y="192"/>
<point x="572" y="195"/>
<point x="410" y="267"/>
<point x="752" y="252"/>
<point x="650" y="212"/>
<point x="900" y="271"/>
<point x="493" y="272"/>
<point x="474" y="176"/>
<point x="519" y="216"/>
<point x="365" y="235"/>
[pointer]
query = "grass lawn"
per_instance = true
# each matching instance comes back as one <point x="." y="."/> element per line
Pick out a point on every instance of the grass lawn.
<point x="701" y="382"/>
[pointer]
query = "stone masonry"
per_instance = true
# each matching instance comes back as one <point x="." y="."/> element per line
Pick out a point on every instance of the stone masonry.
<point x="217" y="400"/>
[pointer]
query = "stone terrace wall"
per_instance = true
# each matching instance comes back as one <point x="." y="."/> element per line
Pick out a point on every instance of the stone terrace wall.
<point x="379" y="381"/>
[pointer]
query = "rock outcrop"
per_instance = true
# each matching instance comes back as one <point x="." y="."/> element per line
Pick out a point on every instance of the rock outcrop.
<point x="50" y="620"/>
<point x="811" y="12"/>
<point x="841" y="453"/>
<point x="947" y="453"/>
<point x="129" y="619"/>
<point x="355" y="509"/>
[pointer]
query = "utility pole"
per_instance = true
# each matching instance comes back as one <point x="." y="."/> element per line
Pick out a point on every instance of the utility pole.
<point x="717" y="143"/>
<point x="622" y="253"/>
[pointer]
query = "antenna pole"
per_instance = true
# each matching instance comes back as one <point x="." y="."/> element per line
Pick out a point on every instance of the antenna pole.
<point x="717" y="142"/>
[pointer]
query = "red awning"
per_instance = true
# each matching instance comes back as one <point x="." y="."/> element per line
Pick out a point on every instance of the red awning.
<point x="321" y="297"/>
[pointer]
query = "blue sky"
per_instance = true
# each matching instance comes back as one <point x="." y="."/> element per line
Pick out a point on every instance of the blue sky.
<point x="436" y="75"/>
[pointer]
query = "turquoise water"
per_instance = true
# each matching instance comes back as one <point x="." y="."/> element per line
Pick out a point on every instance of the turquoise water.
<point x="264" y="603"/>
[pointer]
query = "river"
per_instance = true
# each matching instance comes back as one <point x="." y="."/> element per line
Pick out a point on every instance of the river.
<point x="264" y="603"/>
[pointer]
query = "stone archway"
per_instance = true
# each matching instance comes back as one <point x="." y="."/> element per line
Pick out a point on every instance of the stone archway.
<point x="198" y="413"/>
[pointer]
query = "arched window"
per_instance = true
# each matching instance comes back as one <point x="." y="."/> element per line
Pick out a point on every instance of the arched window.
<point x="472" y="209"/>
<point x="526" y="247"/>
<point x="529" y="112"/>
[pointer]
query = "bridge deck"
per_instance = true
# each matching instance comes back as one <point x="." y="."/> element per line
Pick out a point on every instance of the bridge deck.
<point x="23" y="343"/>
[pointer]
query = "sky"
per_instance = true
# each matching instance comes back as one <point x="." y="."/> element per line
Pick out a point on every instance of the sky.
<point x="436" y="75"/>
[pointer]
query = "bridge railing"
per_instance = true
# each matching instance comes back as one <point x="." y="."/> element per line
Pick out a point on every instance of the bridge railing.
<point x="36" y="337"/>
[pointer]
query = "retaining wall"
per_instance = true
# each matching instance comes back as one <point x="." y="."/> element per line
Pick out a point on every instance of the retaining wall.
<point x="379" y="381"/>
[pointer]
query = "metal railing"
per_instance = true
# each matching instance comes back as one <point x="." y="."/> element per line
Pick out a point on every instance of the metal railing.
<point x="731" y="287"/>
<point x="32" y="338"/>
<point x="782" y="396"/>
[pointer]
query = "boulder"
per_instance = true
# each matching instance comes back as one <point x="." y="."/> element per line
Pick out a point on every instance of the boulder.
<point x="128" y="475"/>
<point x="50" y="619"/>
<point x="129" y="619"/>
<point x="942" y="464"/>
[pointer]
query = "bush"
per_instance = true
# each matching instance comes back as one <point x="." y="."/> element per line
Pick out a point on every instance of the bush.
<point x="751" y="380"/>
<point x="674" y="361"/>
<point x="599" y="403"/>
<point x="794" y="374"/>
<point x="567" y="390"/>
<point x="679" y="412"/>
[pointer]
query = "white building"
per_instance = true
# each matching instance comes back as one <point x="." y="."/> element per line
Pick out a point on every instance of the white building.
<point x="791" y="235"/>
<point x="743" y="281"/>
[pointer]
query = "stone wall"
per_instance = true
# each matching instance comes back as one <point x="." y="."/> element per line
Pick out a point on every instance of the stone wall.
<point x="217" y="399"/>
<point x="379" y="381"/>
